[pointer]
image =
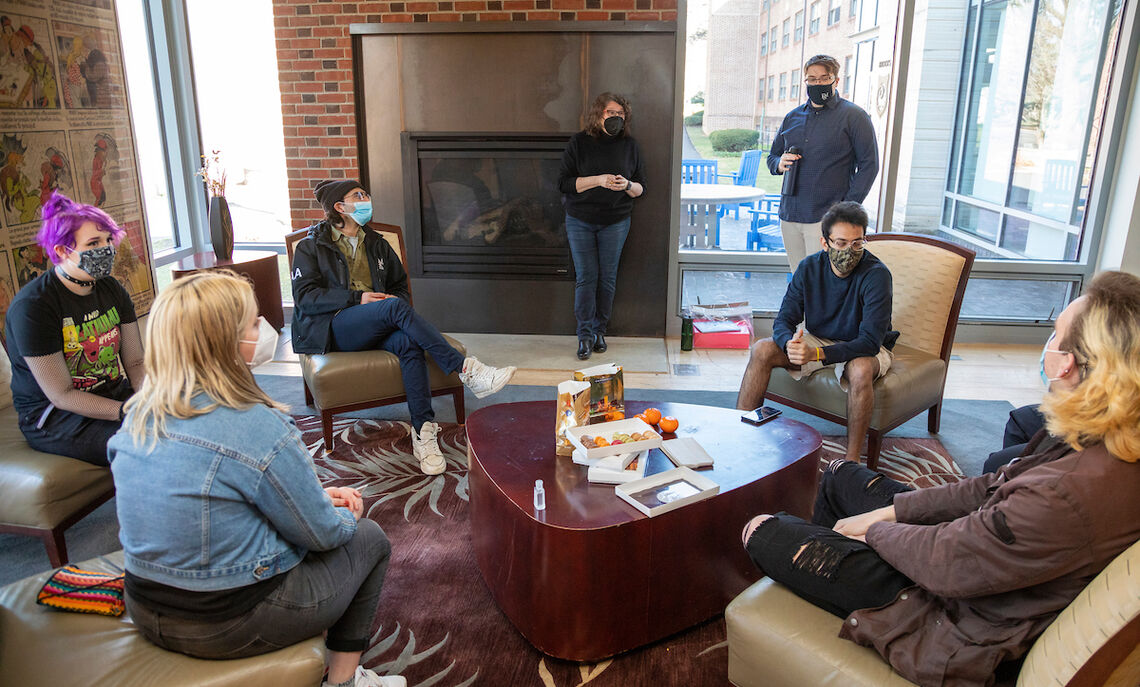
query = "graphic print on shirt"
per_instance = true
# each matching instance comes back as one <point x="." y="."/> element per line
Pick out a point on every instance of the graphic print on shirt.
<point x="92" y="349"/>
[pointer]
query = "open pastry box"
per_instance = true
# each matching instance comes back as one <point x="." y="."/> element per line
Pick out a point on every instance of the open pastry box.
<point x="608" y="430"/>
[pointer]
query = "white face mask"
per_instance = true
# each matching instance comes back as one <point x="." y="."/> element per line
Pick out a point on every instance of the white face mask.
<point x="265" y="345"/>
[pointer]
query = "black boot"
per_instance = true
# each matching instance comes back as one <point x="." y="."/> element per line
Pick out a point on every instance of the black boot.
<point x="599" y="343"/>
<point x="584" y="349"/>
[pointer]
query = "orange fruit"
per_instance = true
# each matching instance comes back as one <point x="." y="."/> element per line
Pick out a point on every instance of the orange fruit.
<point x="600" y="442"/>
<point x="641" y="416"/>
<point x="668" y="424"/>
<point x="615" y="415"/>
<point x="652" y="415"/>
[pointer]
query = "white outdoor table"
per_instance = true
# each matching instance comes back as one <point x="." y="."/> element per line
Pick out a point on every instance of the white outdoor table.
<point x="707" y="197"/>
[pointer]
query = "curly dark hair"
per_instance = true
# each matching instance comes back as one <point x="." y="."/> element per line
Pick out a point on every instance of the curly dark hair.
<point x="595" y="116"/>
<point x="845" y="211"/>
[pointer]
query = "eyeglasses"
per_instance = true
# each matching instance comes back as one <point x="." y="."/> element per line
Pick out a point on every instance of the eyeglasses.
<point x="615" y="113"/>
<point x="842" y="244"/>
<point x="359" y="195"/>
<point x="822" y="81"/>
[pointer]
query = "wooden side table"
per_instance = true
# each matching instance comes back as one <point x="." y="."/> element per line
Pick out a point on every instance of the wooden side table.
<point x="260" y="266"/>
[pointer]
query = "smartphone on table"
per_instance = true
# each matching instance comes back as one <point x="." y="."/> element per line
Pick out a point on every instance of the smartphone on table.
<point x="760" y="415"/>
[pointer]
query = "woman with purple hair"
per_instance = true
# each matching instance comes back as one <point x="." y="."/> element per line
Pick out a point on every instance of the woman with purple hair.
<point x="73" y="338"/>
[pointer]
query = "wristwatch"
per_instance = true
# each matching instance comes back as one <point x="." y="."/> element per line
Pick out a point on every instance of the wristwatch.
<point x="628" y="185"/>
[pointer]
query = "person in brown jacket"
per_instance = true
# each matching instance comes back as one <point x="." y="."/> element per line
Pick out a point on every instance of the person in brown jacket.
<point x="948" y="582"/>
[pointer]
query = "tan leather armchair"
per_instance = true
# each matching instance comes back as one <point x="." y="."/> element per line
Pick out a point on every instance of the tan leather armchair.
<point x="41" y="494"/>
<point x="346" y="381"/>
<point x="44" y="646"/>
<point x="776" y="639"/>
<point x="929" y="277"/>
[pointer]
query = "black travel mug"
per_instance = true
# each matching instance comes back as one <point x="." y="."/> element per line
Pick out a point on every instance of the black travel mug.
<point x="686" y="333"/>
<point x="792" y="175"/>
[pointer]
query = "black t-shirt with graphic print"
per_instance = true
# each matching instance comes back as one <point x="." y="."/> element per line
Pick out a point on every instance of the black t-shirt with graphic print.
<point x="45" y="317"/>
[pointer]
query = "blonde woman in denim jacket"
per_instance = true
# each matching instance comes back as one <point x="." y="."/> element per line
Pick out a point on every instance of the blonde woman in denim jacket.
<point x="232" y="546"/>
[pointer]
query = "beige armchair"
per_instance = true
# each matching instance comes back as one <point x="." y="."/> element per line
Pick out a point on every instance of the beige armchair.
<point x="929" y="278"/>
<point x="346" y="381"/>
<point x="776" y="639"/>
<point x="41" y="494"/>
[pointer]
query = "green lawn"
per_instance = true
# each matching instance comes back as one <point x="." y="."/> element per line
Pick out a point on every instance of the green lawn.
<point x="730" y="162"/>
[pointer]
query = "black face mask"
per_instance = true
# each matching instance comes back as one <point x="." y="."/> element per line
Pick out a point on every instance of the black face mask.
<point x="819" y="94"/>
<point x="613" y="125"/>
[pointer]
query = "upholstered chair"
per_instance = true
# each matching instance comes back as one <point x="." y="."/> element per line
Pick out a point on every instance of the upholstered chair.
<point x="929" y="277"/>
<point x="345" y="381"/>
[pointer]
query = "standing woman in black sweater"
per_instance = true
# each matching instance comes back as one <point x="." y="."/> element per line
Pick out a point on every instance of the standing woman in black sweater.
<point x="602" y="172"/>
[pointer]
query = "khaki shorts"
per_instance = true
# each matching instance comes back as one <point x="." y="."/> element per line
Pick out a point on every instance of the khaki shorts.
<point x="809" y="368"/>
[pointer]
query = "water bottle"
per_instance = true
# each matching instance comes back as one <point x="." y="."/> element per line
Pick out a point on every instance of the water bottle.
<point x="686" y="333"/>
<point x="539" y="495"/>
<point x="792" y="175"/>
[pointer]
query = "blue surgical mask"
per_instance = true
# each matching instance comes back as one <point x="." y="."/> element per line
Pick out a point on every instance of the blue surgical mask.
<point x="1046" y="379"/>
<point x="361" y="212"/>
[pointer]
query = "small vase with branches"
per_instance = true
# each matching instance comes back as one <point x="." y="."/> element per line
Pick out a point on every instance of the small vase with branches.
<point x="221" y="224"/>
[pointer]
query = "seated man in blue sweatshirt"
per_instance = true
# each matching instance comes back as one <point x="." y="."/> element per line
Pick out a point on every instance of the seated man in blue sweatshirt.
<point x="842" y="294"/>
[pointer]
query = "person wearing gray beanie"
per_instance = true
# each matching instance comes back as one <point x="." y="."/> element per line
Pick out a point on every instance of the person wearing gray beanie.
<point x="350" y="293"/>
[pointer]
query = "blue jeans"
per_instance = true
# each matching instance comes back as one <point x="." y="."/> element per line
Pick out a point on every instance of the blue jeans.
<point x="596" y="249"/>
<point x="335" y="590"/>
<point x="394" y="326"/>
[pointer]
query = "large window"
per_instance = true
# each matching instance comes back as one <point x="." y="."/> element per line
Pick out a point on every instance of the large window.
<point x="239" y="111"/>
<point x="1033" y="76"/>
<point x="834" y="9"/>
<point x="773" y="37"/>
<point x="813" y="25"/>
<point x="794" y="86"/>
<point x="787" y="32"/>
<point x="764" y="43"/>
<point x="784" y="86"/>
<point x="799" y="26"/>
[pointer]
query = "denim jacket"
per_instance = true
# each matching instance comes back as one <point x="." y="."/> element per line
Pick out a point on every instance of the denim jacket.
<point x="223" y="500"/>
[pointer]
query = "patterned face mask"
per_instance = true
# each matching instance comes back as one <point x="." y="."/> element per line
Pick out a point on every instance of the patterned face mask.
<point x="97" y="262"/>
<point x="844" y="260"/>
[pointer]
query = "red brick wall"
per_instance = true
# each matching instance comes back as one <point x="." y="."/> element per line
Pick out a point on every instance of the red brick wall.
<point x="314" y="63"/>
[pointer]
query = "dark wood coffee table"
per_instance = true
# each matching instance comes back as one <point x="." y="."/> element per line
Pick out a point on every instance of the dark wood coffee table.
<point x="591" y="576"/>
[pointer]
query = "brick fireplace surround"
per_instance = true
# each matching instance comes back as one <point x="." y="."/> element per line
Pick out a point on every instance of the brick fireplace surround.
<point x="314" y="62"/>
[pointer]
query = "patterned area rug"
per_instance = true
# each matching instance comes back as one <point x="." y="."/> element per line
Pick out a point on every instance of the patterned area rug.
<point x="438" y="625"/>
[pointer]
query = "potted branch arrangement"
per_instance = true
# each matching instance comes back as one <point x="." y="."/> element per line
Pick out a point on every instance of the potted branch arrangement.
<point x="221" y="224"/>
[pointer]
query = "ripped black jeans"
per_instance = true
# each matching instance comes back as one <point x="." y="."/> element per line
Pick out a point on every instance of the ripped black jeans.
<point x="838" y="574"/>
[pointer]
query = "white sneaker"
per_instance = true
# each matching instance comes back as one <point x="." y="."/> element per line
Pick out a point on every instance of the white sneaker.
<point x="368" y="678"/>
<point x="425" y="448"/>
<point x="484" y="380"/>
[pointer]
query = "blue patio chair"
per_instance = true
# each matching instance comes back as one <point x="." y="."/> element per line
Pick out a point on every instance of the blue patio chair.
<point x="700" y="172"/>
<point x="764" y="234"/>
<point x="750" y="162"/>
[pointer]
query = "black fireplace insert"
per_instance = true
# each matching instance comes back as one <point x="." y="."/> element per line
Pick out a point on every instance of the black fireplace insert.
<point x="485" y="205"/>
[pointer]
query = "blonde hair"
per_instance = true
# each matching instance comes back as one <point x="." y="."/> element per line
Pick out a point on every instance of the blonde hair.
<point x="1104" y="337"/>
<point x="192" y="347"/>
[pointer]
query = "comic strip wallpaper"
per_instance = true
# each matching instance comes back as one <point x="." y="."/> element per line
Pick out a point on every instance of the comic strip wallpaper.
<point x="64" y="125"/>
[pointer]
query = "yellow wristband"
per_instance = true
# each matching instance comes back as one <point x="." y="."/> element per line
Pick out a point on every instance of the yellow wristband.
<point x="819" y="353"/>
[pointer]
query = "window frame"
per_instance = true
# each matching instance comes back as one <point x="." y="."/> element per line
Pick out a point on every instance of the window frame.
<point x="798" y="33"/>
<point x="1106" y="163"/>
<point x="813" y="18"/>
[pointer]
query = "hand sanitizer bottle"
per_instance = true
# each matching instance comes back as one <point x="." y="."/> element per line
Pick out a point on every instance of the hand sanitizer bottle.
<point x="539" y="495"/>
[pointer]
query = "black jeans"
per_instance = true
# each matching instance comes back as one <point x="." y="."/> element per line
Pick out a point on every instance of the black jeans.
<point x="336" y="590"/>
<point x="838" y="574"/>
<point x="1023" y="423"/>
<point x="69" y="434"/>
